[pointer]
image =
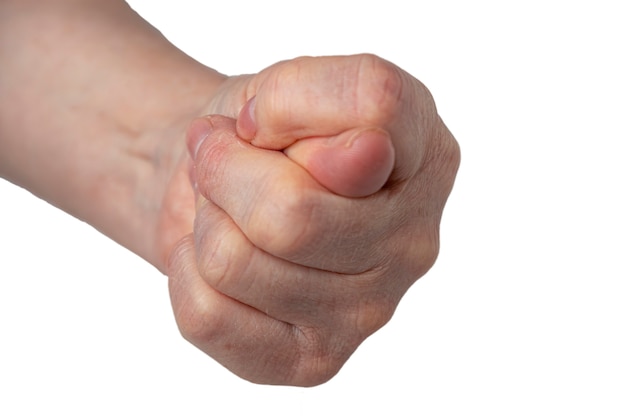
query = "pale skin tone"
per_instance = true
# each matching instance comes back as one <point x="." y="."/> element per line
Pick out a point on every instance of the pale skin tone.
<point x="290" y="222"/>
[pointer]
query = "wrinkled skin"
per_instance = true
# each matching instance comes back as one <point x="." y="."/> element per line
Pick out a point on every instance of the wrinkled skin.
<point x="318" y="197"/>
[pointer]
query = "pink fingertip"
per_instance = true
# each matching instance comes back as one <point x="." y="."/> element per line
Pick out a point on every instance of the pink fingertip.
<point x="246" y="122"/>
<point x="373" y="164"/>
<point x="198" y="131"/>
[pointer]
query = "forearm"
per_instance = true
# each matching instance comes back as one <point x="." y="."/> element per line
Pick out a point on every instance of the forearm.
<point x="93" y="107"/>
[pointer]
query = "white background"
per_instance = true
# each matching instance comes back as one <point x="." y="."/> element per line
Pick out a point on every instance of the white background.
<point x="524" y="312"/>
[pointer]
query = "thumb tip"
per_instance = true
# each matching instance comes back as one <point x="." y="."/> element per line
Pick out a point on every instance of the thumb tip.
<point x="355" y="164"/>
<point x="370" y="163"/>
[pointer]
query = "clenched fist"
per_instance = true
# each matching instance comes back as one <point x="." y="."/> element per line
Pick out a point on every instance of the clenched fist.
<point x="320" y="188"/>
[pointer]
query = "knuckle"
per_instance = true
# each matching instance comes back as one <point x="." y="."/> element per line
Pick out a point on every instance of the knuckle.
<point x="191" y="323"/>
<point x="196" y="317"/>
<point x="450" y="161"/>
<point x="373" y="315"/>
<point x="421" y="254"/>
<point x="434" y="181"/>
<point x="378" y="89"/>
<point x="229" y="270"/>
<point x="378" y="294"/>
<point x="321" y="356"/>
<point x="322" y="351"/>
<point x="285" y="224"/>
<point x="277" y="94"/>
<point x="429" y="255"/>
<point x="223" y="254"/>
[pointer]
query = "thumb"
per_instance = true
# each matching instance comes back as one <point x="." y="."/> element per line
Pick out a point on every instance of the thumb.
<point x="355" y="163"/>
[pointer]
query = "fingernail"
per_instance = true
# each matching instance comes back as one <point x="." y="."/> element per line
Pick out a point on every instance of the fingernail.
<point x="246" y="123"/>
<point x="193" y="178"/>
<point x="198" y="131"/>
<point x="252" y="111"/>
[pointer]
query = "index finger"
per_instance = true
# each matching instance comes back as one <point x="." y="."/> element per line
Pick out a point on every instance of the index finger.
<point x="325" y="96"/>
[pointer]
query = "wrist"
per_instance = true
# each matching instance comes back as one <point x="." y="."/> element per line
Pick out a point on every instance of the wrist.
<point x="158" y="200"/>
<point x="94" y="103"/>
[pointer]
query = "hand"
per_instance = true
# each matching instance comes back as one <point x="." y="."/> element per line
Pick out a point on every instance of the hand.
<point x="355" y="170"/>
<point x="289" y="269"/>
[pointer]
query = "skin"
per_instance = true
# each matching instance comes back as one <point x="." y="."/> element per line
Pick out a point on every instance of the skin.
<point x="290" y="222"/>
